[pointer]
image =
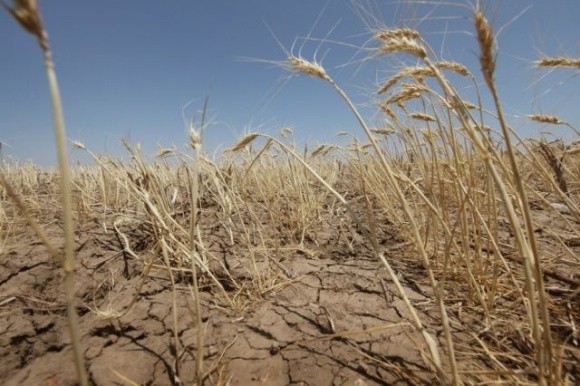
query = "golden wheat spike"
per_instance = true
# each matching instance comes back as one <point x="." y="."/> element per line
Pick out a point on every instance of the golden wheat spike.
<point x="245" y="141"/>
<point x="388" y="84"/>
<point x="486" y="41"/>
<point x="396" y="33"/>
<point x="422" y="117"/>
<point x="403" y="44"/>
<point x="545" y="118"/>
<point x="26" y="14"/>
<point x="310" y="68"/>
<point x="453" y="66"/>
<point x="560" y="61"/>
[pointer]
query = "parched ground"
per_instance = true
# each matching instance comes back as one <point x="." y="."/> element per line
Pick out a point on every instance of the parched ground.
<point x="322" y="326"/>
<point x="327" y="314"/>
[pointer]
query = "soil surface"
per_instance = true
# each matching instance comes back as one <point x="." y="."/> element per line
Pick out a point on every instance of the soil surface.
<point x="323" y="313"/>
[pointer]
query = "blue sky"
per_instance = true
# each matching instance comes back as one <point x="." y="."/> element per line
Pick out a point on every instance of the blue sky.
<point x="128" y="68"/>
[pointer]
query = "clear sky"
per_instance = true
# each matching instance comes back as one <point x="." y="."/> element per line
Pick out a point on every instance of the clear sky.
<point x="128" y="68"/>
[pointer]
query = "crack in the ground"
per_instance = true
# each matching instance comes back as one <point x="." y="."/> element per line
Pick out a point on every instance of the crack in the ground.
<point x="321" y="328"/>
<point x="260" y="331"/>
<point x="119" y="331"/>
<point x="23" y="269"/>
<point x="42" y="330"/>
<point x="367" y="314"/>
<point x="362" y="370"/>
<point x="398" y="312"/>
<point x="367" y="290"/>
<point x="169" y="370"/>
<point x="18" y="339"/>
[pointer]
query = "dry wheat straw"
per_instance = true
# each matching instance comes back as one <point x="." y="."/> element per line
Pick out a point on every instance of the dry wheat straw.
<point x="27" y="14"/>
<point x="525" y="242"/>
<point x="195" y="137"/>
<point x="402" y="40"/>
<point x="542" y="334"/>
<point x="445" y="173"/>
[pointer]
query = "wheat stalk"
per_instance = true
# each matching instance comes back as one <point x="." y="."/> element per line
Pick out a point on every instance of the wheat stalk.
<point x="26" y="13"/>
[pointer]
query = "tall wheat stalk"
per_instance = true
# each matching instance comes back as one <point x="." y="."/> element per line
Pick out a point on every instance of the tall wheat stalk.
<point x="542" y="334"/>
<point x="27" y="14"/>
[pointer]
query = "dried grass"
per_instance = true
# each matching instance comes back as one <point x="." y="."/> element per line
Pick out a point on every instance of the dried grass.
<point x="465" y="203"/>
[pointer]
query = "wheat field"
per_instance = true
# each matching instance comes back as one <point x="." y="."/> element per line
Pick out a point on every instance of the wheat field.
<point x="441" y="249"/>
